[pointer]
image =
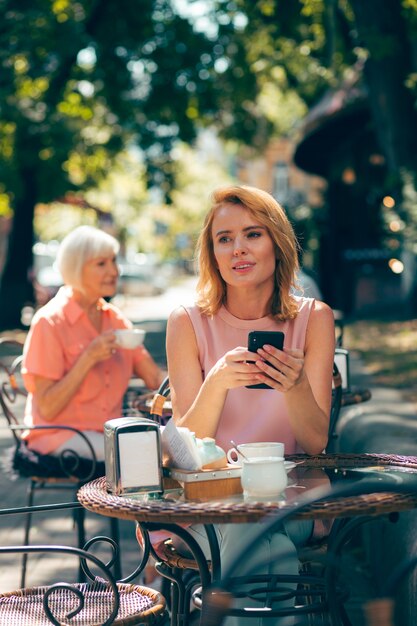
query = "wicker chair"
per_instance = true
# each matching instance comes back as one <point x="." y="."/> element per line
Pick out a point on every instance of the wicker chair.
<point x="101" y="602"/>
<point x="181" y="575"/>
<point x="45" y="472"/>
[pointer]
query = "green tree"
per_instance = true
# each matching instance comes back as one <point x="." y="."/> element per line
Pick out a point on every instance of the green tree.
<point x="81" y="80"/>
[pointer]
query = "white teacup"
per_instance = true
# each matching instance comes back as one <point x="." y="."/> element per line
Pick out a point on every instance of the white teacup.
<point x="130" y="338"/>
<point x="263" y="476"/>
<point x="255" y="450"/>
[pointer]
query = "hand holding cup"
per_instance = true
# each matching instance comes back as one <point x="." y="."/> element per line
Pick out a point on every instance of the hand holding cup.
<point x="129" y="338"/>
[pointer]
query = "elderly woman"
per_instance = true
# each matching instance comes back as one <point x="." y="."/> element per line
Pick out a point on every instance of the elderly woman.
<point x="73" y="369"/>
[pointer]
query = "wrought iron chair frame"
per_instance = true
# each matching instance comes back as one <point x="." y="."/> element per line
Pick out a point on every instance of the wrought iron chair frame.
<point x="111" y="589"/>
<point x="69" y="473"/>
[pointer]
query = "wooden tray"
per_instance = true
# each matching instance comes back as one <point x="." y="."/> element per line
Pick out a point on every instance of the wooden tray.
<point x="204" y="484"/>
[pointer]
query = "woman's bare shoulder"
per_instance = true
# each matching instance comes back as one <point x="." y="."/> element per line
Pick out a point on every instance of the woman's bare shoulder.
<point x="321" y="314"/>
<point x="179" y="321"/>
<point x="178" y="317"/>
<point x="178" y="313"/>
<point x="180" y="335"/>
<point x="322" y="309"/>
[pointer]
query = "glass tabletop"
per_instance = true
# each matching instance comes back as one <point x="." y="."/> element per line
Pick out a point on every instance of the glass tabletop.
<point x="300" y="480"/>
<point x="310" y="472"/>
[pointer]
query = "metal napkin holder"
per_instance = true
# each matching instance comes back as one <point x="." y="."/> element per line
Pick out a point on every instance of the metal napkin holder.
<point x="133" y="457"/>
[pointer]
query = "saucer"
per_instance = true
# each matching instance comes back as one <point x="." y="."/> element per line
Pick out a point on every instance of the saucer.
<point x="289" y="465"/>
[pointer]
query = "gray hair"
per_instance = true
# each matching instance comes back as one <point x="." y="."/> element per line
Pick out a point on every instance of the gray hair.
<point x="81" y="245"/>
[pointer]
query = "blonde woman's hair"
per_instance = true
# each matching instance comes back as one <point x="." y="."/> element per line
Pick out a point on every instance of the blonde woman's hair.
<point x="81" y="245"/>
<point x="211" y="288"/>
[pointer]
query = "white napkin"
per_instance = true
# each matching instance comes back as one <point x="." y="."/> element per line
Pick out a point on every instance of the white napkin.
<point x="180" y="447"/>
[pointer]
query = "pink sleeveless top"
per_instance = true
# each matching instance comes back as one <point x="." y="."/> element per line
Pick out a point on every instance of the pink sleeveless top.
<point x="249" y="415"/>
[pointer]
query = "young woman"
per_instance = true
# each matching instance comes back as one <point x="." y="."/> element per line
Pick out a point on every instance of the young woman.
<point x="247" y="255"/>
<point x="74" y="371"/>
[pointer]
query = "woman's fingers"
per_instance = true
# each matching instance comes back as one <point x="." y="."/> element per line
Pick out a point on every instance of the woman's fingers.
<point x="103" y="346"/>
<point x="283" y="367"/>
<point x="237" y="368"/>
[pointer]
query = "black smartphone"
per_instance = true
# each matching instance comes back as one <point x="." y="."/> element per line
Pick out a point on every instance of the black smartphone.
<point x="257" y="339"/>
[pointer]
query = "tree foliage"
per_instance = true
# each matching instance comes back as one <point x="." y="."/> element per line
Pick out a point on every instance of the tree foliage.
<point x="80" y="80"/>
<point x="316" y="43"/>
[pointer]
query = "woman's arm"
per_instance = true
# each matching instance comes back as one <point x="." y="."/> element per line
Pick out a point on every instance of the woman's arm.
<point x="197" y="403"/>
<point x="306" y="379"/>
<point x="53" y="396"/>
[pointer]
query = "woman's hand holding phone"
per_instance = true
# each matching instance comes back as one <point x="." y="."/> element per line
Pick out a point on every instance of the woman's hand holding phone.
<point x="257" y="339"/>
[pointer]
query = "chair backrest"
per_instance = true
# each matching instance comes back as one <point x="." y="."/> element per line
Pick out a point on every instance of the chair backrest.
<point x="339" y="323"/>
<point x="341" y="357"/>
<point x="12" y="391"/>
<point x="336" y="405"/>
<point x="158" y="412"/>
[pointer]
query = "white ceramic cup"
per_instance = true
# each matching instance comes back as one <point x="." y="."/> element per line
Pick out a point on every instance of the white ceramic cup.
<point x="264" y="476"/>
<point x="255" y="450"/>
<point x="130" y="338"/>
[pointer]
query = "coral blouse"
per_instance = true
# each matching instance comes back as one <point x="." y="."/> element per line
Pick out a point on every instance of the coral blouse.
<point x="60" y="332"/>
<point x="249" y="415"/>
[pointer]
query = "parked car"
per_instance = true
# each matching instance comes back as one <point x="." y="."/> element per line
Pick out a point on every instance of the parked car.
<point x="47" y="279"/>
<point x="140" y="279"/>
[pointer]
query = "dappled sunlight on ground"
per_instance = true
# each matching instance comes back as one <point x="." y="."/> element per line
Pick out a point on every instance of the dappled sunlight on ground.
<point x="389" y="352"/>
